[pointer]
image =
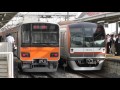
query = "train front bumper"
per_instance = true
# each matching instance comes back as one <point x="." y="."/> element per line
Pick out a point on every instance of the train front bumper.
<point x="72" y="63"/>
<point x="51" y="66"/>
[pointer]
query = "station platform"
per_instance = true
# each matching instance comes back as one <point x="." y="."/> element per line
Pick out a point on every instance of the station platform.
<point x="112" y="57"/>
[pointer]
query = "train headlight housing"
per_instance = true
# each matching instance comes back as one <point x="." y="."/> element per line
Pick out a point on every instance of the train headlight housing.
<point x="55" y="54"/>
<point x="25" y="54"/>
<point x="103" y="51"/>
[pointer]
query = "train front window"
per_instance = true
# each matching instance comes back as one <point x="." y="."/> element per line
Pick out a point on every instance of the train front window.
<point x="99" y="36"/>
<point x="88" y="37"/>
<point x="45" y="37"/>
<point x="76" y="37"/>
<point x="50" y="38"/>
<point x="36" y="37"/>
<point x="45" y="34"/>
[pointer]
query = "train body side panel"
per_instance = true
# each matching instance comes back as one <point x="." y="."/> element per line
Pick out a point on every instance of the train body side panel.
<point x="64" y="42"/>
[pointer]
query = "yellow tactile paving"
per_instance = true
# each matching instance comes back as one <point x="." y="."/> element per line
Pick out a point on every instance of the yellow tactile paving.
<point x="112" y="56"/>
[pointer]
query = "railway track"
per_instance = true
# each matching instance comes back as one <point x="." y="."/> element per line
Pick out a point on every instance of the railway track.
<point x="90" y="75"/>
<point x="20" y="74"/>
<point x="33" y="75"/>
<point x="40" y="75"/>
<point x="68" y="73"/>
<point x="85" y="74"/>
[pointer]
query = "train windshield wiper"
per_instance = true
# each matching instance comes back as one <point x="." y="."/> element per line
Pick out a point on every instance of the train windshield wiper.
<point x="97" y="35"/>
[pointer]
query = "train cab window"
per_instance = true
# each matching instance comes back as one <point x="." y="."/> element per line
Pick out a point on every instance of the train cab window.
<point x="45" y="34"/>
<point x="54" y="34"/>
<point x="36" y="37"/>
<point x="76" y="37"/>
<point x="45" y="38"/>
<point x="99" y="36"/>
<point x="54" y="38"/>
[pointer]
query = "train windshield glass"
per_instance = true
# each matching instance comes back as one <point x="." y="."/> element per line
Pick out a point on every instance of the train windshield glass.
<point x="45" y="34"/>
<point x="88" y="36"/>
<point x="99" y="36"/>
<point x="37" y="34"/>
<point x="76" y="37"/>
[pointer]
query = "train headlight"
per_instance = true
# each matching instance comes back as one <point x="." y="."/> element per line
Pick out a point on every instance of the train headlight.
<point x="25" y="54"/>
<point x="103" y="51"/>
<point x="55" y="54"/>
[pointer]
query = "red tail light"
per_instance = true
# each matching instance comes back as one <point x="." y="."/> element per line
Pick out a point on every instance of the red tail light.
<point x="25" y="54"/>
<point x="54" y="55"/>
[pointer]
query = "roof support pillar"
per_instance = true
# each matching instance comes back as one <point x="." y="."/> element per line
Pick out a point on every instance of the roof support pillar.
<point x="117" y="27"/>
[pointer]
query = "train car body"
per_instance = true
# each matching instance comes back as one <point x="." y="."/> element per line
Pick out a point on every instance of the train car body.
<point x="83" y="45"/>
<point x="37" y="46"/>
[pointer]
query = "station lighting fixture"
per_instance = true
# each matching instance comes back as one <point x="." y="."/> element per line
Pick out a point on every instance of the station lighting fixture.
<point x="100" y="21"/>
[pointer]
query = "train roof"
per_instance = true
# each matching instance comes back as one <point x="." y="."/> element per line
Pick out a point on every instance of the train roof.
<point x="79" y="24"/>
<point x="39" y="22"/>
<point x="28" y="23"/>
<point x="82" y="23"/>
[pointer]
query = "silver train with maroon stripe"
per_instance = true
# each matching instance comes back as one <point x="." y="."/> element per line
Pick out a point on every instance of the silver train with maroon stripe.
<point x="82" y="45"/>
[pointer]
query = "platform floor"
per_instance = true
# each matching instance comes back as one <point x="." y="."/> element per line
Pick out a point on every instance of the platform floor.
<point x="110" y="56"/>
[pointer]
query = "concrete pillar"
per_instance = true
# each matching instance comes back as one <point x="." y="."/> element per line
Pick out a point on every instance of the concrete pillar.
<point x="117" y="27"/>
<point x="65" y="18"/>
<point x="67" y="15"/>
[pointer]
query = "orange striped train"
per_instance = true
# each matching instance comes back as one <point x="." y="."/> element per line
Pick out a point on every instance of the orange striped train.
<point x="37" y="46"/>
<point x="82" y="45"/>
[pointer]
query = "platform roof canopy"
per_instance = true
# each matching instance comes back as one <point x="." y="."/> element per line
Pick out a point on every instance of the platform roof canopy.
<point x="5" y="17"/>
<point x="109" y="17"/>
